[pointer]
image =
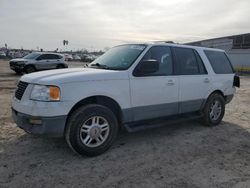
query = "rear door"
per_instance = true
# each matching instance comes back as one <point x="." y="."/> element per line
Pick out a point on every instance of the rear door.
<point x="156" y="94"/>
<point x="54" y="61"/>
<point x="194" y="80"/>
<point x="43" y="61"/>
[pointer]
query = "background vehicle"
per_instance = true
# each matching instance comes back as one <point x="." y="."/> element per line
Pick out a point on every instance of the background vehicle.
<point x="2" y="54"/>
<point x="68" y="57"/>
<point x="37" y="61"/>
<point x="133" y="86"/>
<point x="76" y="57"/>
<point x="88" y="58"/>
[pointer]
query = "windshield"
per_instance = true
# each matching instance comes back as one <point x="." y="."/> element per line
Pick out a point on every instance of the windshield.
<point x="118" y="58"/>
<point x="31" y="56"/>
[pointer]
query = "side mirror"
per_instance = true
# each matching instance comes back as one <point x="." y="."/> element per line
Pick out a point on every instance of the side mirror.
<point x="146" y="67"/>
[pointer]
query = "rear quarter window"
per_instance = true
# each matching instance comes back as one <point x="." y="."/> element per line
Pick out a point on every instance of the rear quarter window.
<point x="219" y="62"/>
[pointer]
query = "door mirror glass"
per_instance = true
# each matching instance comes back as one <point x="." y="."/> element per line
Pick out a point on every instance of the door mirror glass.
<point x="147" y="67"/>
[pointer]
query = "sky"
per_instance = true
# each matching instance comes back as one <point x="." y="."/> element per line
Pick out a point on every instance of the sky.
<point x="96" y="24"/>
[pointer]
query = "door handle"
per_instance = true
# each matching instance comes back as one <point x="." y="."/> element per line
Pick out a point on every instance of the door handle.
<point x="206" y="80"/>
<point x="170" y="83"/>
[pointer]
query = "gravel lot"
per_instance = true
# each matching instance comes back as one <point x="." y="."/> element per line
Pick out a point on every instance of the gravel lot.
<point x="180" y="155"/>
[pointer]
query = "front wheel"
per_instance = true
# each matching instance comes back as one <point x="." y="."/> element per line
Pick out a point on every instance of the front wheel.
<point x="214" y="110"/>
<point x="91" y="130"/>
<point x="19" y="72"/>
<point x="29" y="69"/>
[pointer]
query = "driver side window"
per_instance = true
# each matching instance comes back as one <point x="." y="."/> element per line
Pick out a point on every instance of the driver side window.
<point x="164" y="56"/>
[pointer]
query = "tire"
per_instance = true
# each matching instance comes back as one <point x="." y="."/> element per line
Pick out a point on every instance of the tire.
<point x="30" y="69"/>
<point x="214" y="110"/>
<point x="19" y="72"/>
<point x="60" y="66"/>
<point x="76" y="132"/>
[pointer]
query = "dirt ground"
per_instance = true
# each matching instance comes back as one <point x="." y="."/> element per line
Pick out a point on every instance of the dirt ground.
<point x="180" y="155"/>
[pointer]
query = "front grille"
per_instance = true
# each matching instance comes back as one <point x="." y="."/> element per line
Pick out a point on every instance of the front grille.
<point x="12" y="63"/>
<point x="21" y="87"/>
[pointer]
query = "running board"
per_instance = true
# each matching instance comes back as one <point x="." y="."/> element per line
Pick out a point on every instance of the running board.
<point x="159" y="122"/>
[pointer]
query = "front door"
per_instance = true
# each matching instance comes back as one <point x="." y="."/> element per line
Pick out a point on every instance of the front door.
<point x="156" y="94"/>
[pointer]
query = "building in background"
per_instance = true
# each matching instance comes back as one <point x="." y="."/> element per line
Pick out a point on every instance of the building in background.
<point x="236" y="46"/>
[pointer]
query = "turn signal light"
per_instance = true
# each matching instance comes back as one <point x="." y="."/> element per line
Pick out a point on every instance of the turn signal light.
<point x="54" y="93"/>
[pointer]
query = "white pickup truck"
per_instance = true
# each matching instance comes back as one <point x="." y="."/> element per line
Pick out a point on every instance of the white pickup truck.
<point x="129" y="86"/>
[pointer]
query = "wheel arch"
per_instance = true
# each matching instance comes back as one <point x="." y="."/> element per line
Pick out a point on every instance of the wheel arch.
<point x="29" y="65"/>
<point x="110" y="103"/>
<point x="217" y="91"/>
<point x="211" y="93"/>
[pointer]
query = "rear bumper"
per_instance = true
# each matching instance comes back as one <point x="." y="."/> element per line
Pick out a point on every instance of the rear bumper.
<point x="48" y="126"/>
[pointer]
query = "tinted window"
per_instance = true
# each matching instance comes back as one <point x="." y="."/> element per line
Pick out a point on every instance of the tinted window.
<point x="187" y="61"/>
<point x="49" y="56"/>
<point x="163" y="55"/>
<point x="43" y="57"/>
<point x="54" y="56"/>
<point x="219" y="62"/>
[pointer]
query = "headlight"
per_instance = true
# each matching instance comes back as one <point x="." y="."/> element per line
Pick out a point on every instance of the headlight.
<point x="45" y="93"/>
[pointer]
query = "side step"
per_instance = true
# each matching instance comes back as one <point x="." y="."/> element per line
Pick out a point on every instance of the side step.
<point x="159" y="122"/>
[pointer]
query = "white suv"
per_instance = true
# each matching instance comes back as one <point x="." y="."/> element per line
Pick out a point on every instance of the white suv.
<point x="124" y="87"/>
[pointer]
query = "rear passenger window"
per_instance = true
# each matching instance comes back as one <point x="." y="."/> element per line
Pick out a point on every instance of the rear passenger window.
<point x="188" y="62"/>
<point x="54" y="56"/>
<point x="43" y="57"/>
<point x="219" y="62"/>
<point x="163" y="55"/>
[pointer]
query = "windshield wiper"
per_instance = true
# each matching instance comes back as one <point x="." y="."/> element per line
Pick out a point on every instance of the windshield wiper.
<point x="99" y="66"/>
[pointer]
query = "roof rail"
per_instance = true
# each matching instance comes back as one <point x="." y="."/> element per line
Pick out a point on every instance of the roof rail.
<point x="168" y="41"/>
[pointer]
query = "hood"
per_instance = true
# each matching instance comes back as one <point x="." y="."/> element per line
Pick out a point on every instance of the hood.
<point x="19" y="59"/>
<point x="69" y="75"/>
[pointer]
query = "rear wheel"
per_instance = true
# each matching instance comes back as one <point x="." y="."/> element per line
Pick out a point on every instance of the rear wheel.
<point x="60" y="66"/>
<point x="30" y="69"/>
<point x="214" y="110"/>
<point x="91" y="130"/>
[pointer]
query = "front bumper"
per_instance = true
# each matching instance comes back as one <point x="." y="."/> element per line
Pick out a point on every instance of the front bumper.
<point x="16" y="67"/>
<point x="48" y="126"/>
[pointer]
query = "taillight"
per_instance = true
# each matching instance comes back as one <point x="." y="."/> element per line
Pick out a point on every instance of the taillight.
<point x="236" y="80"/>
